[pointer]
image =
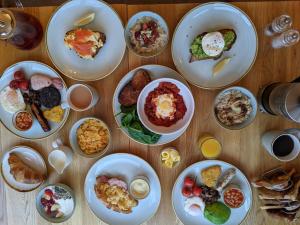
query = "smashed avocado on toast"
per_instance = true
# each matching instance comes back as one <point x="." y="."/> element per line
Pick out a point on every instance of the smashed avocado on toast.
<point x="197" y="52"/>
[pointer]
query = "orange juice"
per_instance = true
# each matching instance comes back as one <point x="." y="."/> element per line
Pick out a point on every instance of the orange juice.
<point x="209" y="146"/>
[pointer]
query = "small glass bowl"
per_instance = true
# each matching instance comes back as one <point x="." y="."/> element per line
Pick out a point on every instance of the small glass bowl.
<point x="168" y="157"/>
<point x="15" y="116"/>
<point x="145" y="179"/>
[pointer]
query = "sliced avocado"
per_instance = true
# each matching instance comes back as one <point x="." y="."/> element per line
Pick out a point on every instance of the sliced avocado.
<point x="229" y="38"/>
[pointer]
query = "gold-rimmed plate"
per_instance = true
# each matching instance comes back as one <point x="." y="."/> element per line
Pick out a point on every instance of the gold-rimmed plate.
<point x="29" y="68"/>
<point x="106" y="21"/>
<point x="213" y="17"/>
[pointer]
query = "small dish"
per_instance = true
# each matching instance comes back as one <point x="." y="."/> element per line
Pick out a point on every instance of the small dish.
<point x="24" y="123"/>
<point x="188" y="100"/>
<point x="253" y="104"/>
<point x="145" y="16"/>
<point x="170" y="157"/>
<point x="56" y="203"/>
<point x="139" y="187"/>
<point x="233" y="196"/>
<point x="74" y="143"/>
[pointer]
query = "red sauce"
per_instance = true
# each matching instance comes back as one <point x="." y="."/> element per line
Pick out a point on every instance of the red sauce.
<point x="150" y="107"/>
<point x="233" y="198"/>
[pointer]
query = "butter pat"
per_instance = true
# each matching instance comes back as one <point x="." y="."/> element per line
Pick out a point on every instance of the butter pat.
<point x="139" y="188"/>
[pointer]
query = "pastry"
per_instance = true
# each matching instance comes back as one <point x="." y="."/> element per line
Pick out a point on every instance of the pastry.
<point x="210" y="175"/>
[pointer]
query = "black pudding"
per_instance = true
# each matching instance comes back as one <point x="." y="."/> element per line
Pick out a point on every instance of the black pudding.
<point x="50" y="97"/>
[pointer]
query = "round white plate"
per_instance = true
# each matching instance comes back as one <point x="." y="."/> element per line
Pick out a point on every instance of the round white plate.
<point x="30" y="68"/>
<point x="29" y="156"/>
<point x="207" y="18"/>
<point x="155" y="71"/>
<point x="128" y="167"/>
<point x="106" y="21"/>
<point x="237" y="215"/>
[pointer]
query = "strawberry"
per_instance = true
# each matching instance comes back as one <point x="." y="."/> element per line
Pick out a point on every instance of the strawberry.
<point x="19" y="75"/>
<point x="197" y="191"/>
<point x="189" y="182"/>
<point x="187" y="192"/>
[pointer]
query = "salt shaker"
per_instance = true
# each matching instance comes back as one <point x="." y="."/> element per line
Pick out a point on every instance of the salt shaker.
<point x="286" y="39"/>
<point x="278" y="25"/>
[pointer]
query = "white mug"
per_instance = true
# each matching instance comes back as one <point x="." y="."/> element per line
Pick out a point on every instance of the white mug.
<point x="93" y="92"/>
<point x="270" y="137"/>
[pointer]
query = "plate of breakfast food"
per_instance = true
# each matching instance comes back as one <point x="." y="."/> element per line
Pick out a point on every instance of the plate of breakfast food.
<point x="125" y="104"/>
<point x="90" y="137"/>
<point x="212" y="192"/>
<point x="122" y="189"/>
<point x="85" y="39"/>
<point x="31" y="94"/>
<point x="235" y="108"/>
<point x="146" y="34"/>
<point x="208" y="46"/>
<point x="278" y="191"/>
<point x="23" y="168"/>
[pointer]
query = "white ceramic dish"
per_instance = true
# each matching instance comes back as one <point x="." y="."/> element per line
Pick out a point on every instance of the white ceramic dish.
<point x="156" y="72"/>
<point x="237" y="215"/>
<point x="74" y="143"/>
<point x="127" y="167"/>
<point x="132" y="21"/>
<point x="30" y="157"/>
<point x="30" y="68"/>
<point x="180" y="124"/>
<point x="106" y="21"/>
<point x="253" y="101"/>
<point x="207" y="18"/>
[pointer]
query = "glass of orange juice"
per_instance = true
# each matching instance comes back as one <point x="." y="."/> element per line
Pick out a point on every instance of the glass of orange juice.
<point x="209" y="146"/>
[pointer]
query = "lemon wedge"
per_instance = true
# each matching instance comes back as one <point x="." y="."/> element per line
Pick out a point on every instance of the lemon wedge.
<point x="220" y="66"/>
<point x="85" y="20"/>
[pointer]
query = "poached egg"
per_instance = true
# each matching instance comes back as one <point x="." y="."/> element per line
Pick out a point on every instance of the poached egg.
<point x="213" y="43"/>
<point x="165" y="106"/>
<point x="194" y="206"/>
<point x="12" y="100"/>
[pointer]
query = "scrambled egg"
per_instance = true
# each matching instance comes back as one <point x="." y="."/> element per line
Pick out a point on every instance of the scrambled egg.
<point x="55" y="114"/>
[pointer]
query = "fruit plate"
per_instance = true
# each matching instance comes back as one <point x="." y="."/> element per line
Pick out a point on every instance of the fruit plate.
<point x="30" y="157"/>
<point x="30" y="68"/>
<point x="237" y="215"/>
<point x="127" y="167"/>
<point x="106" y="20"/>
<point x="211" y="17"/>
<point x="155" y="72"/>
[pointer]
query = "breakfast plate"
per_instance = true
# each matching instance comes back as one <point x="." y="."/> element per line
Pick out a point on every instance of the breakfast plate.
<point x="30" y="68"/>
<point x="125" y="168"/>
<point x="155" y="72"/>
<point x="28" y="156"/>
<point x="193" y="45"/>
<point x="106" y="23"/>
<point x="238" y="181"/>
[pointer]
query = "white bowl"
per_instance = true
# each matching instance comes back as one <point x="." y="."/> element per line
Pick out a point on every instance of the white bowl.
<point x="74" y="143"/>
<point x="131" y="22"/>
<point x="252" y="101"/>
<point x="180" y="124"/>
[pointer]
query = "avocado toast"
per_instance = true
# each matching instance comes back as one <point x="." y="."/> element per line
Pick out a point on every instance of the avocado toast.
<point x="196" y="49"/>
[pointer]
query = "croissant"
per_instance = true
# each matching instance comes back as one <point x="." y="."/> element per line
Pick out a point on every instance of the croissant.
<point x="22" y="172"/>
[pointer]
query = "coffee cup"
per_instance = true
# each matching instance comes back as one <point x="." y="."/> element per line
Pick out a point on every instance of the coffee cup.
<point x="281" y="145"/>
<point x="81" y="97"/>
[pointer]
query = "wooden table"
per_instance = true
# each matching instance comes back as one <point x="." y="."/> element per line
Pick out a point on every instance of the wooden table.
<point x="241" y="148"/>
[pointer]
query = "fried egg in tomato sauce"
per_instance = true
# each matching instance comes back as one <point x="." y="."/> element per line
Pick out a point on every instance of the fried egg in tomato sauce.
<point x="164" y="105"/>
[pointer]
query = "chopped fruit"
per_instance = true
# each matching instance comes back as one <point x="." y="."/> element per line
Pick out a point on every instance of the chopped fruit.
<point x="189" y="182"/>
<point x="187" y="192"/>
<point x="197" y="191"/>
<point x="48" y="192"/>
<point x="19" y="75"/>
<point x="55" y="207"/>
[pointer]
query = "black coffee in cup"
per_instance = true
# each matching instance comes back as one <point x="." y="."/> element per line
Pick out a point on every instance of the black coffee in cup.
<point x="283" y="146"/>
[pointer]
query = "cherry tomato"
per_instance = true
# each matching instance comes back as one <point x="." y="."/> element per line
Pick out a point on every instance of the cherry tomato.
<point x="189" y="182"/>
<point x="187" y="192"/>
<point x="14" y="84"/>
<point x="197" y="191"/>
<point x="19" y="75"/>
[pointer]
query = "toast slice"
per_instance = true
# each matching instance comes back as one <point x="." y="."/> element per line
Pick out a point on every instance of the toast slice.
<point x="197" y="52"/>
<point x="85" y="42"/>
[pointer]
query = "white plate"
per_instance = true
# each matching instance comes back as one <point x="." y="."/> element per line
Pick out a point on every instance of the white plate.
<point x="106" y="21"/>
<point x="180" y="124"/>
<point x="30" y="68"/>
<point x="212" y="17"/>
<point x="30" y="157"/>
<point x="237" y="215"/>
<point x="74" y="143"/>
<point x="155" y="71"/>
<point x="128" y="167"/>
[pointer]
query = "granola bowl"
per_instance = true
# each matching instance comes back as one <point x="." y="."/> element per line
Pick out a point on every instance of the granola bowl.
<point x="90" y="137"/>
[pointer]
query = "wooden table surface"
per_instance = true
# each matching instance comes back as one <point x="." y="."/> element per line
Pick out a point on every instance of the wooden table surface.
<point x="241" y="148"/>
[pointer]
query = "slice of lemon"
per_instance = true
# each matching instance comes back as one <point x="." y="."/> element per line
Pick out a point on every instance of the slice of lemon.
<point x="85" y="20"/>
<point x="220" y="66"/>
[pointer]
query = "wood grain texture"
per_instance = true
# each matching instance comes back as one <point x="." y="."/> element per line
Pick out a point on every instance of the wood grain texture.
<point x="241" y="148"/>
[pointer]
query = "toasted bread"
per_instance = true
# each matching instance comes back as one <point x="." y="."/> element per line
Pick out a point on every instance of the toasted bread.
<point x="210" y="175"/>
<point x="197" y="41"/>
<point x="86" y="43"/>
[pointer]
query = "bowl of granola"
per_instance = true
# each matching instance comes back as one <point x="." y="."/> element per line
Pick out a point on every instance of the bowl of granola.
<point x="146" y="34"/>
<point x="90" y="137"/>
